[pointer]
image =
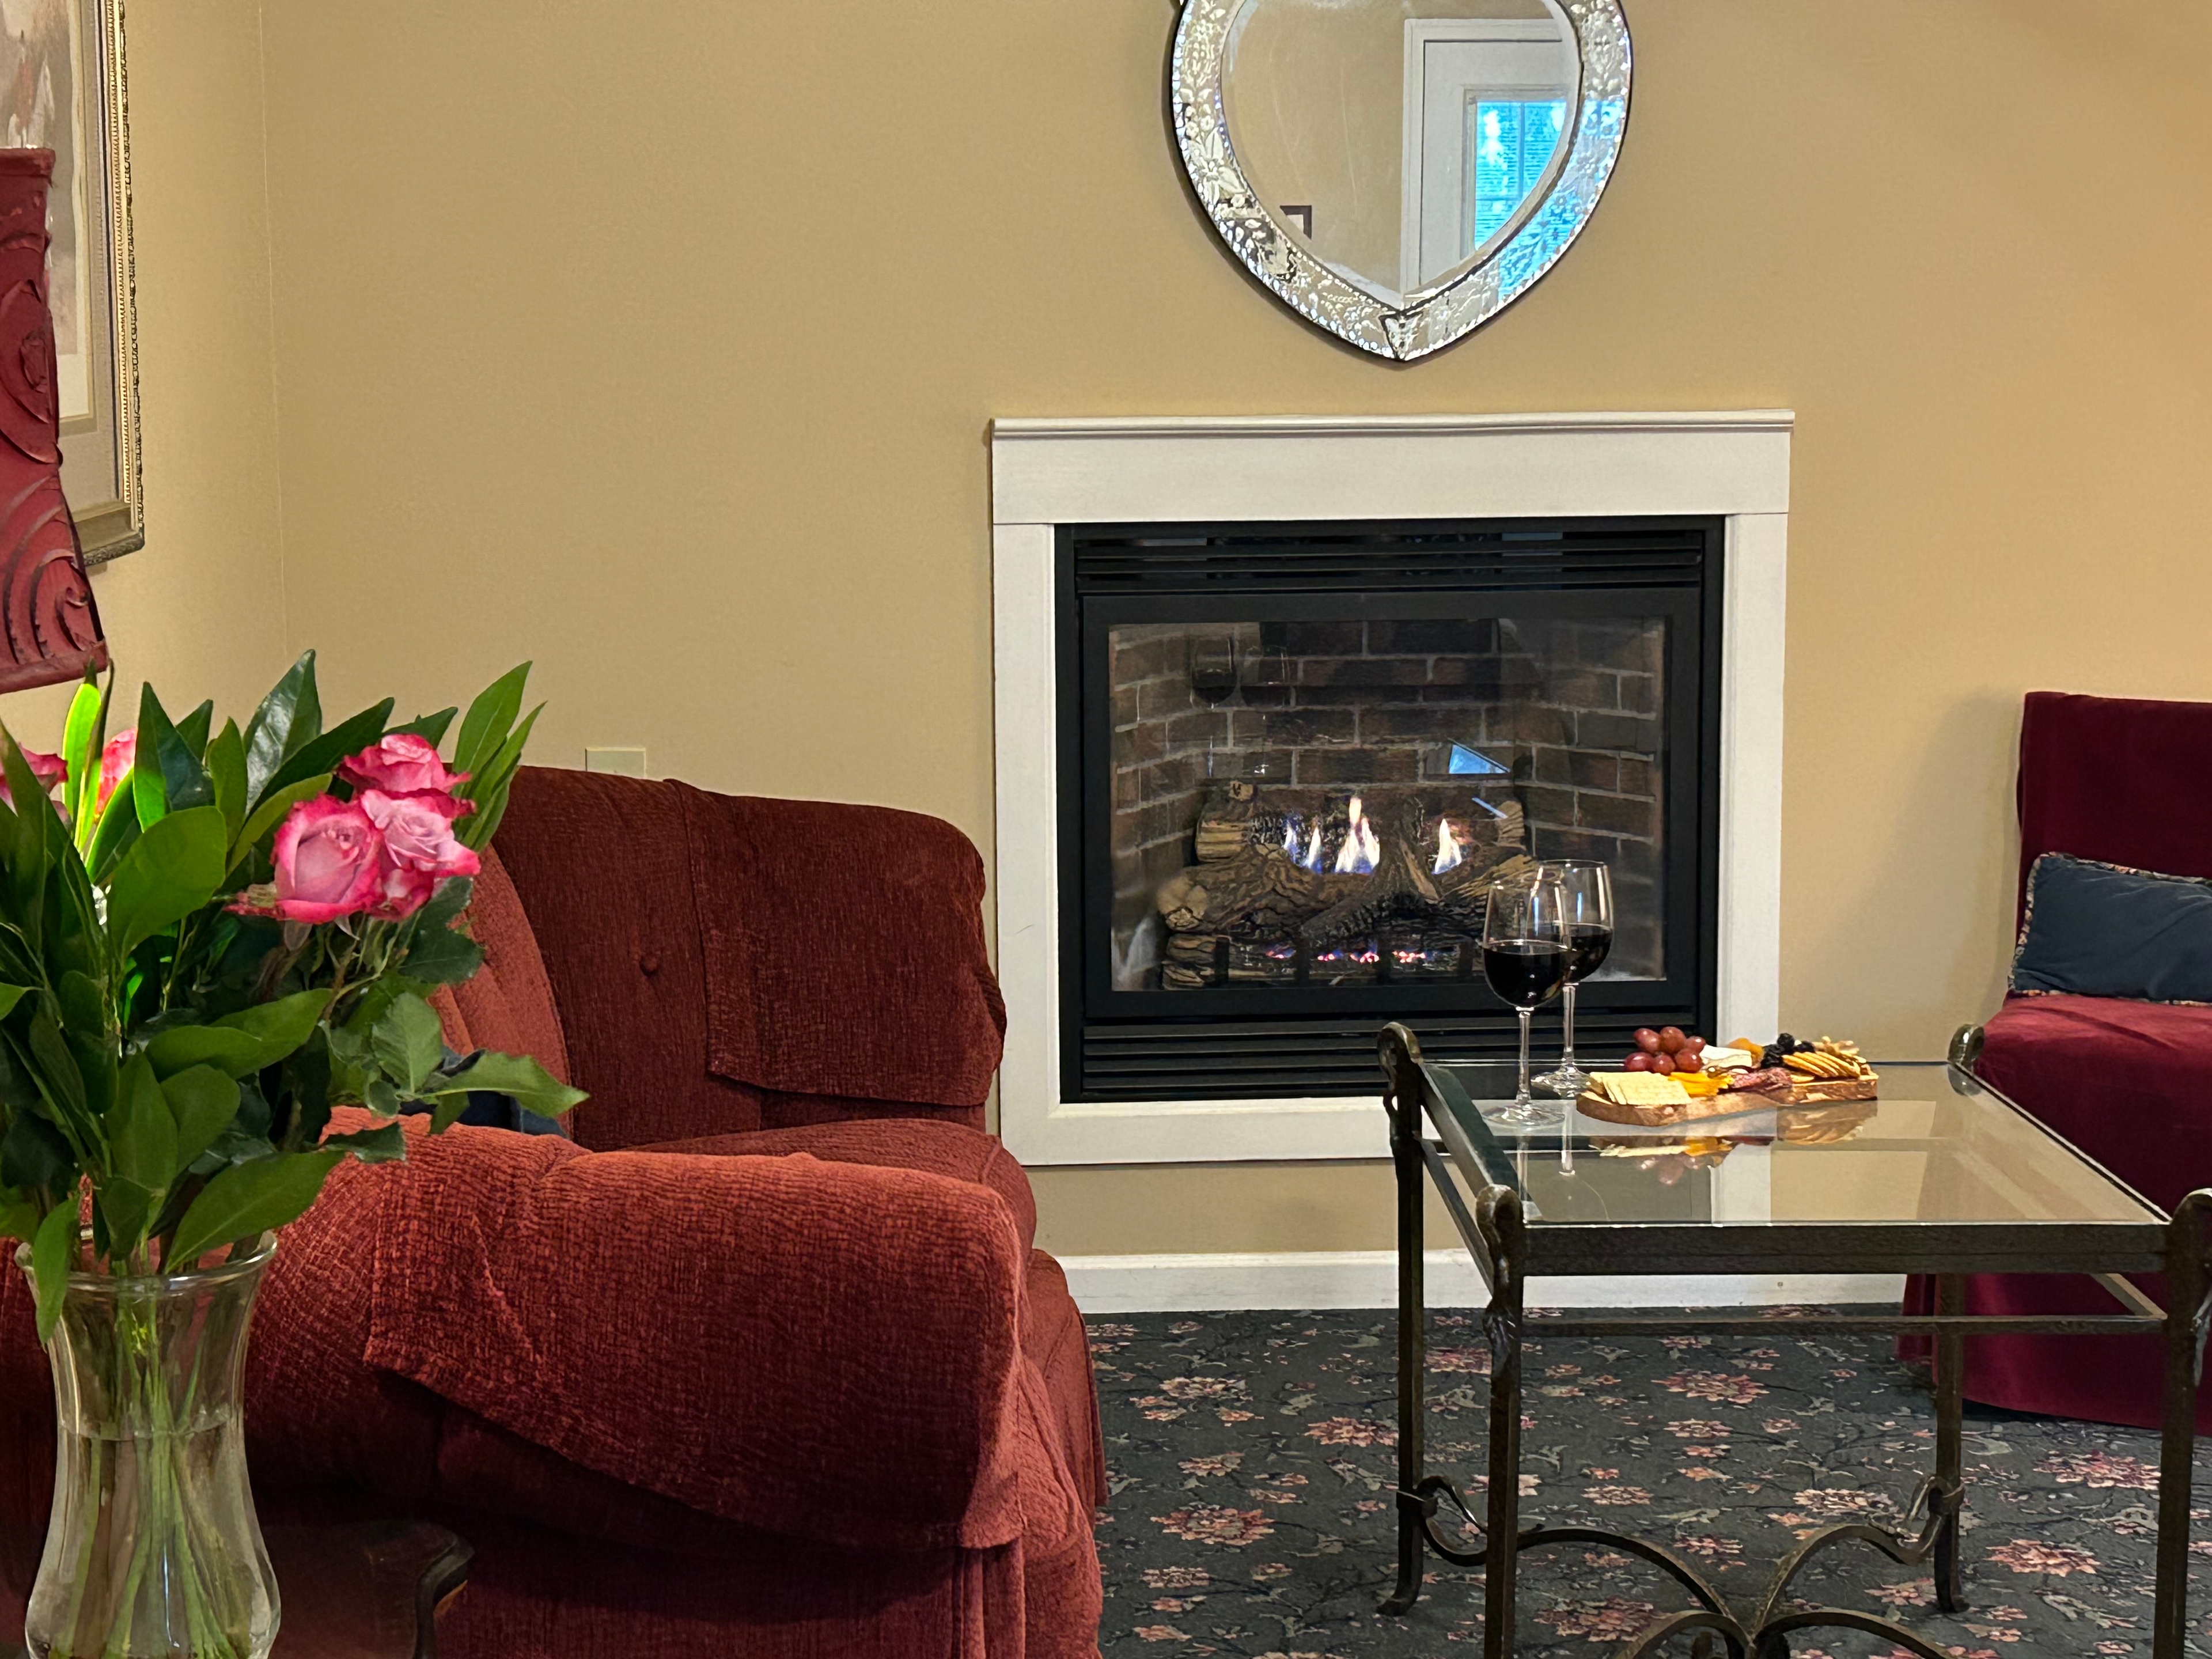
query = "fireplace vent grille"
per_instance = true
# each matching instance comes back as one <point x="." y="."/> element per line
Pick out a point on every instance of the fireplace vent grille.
<point x="1116" y="559"/>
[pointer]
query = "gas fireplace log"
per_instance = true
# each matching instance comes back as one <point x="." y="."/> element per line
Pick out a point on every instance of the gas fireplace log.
<point x="1248" y="912"/>
<point x="1217" y="897"/>
<point x="1224" y="823"/>
<point x="1399" y="891"/>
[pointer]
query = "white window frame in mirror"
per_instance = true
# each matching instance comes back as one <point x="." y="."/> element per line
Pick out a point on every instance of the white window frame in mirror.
<point x="1545" y="225"/>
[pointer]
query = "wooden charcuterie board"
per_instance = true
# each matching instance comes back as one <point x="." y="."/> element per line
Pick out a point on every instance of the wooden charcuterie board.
<point x="1809" y="1092"/>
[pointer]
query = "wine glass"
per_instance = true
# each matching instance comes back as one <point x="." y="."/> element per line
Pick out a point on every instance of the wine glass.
<point x="1212" y="666"/>
<point x="1524" y="958"/>
<point x="1587" y="888"/>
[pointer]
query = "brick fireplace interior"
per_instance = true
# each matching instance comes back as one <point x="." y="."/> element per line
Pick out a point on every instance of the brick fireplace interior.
<point x="1299" y="756"/>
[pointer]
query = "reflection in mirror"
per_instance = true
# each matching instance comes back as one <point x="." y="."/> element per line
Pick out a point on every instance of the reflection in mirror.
<point x="1402" y="142"/>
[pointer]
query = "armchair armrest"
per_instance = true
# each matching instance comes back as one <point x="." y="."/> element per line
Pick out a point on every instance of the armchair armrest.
<point x="805" y="1347"/>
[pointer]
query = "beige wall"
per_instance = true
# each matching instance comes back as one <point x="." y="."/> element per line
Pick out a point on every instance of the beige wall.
<point x="659" y="346"/>
<point x="199" y="612"/>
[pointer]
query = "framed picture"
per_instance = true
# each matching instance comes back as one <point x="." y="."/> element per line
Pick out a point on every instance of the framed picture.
<point x="62" y="88"/>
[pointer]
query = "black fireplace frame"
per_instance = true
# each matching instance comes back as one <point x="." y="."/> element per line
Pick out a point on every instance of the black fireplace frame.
<point x="1264" y="1042"/>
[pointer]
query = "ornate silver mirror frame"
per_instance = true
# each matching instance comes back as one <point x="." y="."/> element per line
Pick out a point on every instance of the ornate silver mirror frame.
<point x="1429" y="319"/>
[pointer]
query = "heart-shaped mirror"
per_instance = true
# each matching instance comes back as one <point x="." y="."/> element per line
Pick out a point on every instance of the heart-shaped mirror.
<point x="1400" y="171"/>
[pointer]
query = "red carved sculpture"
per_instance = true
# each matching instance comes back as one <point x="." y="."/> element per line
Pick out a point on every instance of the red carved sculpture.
<point x="49" y="626"/>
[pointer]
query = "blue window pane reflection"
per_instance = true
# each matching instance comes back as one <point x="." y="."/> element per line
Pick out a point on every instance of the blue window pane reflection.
<point x="1509" y="143"/>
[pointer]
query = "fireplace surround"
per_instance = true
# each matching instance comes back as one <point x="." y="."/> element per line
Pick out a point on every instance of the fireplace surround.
<point x="1308" y="644"/>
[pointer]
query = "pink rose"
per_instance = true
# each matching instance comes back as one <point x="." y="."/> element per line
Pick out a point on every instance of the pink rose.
<point x="330" y="860"/>
<point x="400" y="892"/>
<point x="400" y="764"/>
<point x="418" y="831"/>
<point x="114" y="761"/>
<point x="48" y="770"/>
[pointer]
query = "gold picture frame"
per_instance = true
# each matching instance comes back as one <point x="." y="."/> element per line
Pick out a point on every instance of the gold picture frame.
<point x="62" y="88"/>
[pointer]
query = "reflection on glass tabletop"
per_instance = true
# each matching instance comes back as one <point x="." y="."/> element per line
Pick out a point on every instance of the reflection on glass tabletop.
<point x="1936" y="1146"/>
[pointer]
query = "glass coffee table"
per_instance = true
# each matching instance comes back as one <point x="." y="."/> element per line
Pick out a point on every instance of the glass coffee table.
<point x="1941" y="1175"/>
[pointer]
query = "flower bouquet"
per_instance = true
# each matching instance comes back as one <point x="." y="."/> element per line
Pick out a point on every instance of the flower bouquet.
<point x="210" y="939"/>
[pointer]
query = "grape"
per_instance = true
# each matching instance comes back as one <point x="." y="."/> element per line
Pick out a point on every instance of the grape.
<point x="1663" y="1064"/>
<point x="1647" y="1040"/>
<point x="1670" y="1039"/>
<point x="1638" y="1061"/>
<point x="1692" y="1047"/>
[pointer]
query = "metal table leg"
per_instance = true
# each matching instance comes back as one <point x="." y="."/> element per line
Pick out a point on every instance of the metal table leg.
<point x="1499" y="1215"/>
<point x="2184" y="1366"/>
<point x="1413" y="1506"/>
<point x="1950" y="1465"/>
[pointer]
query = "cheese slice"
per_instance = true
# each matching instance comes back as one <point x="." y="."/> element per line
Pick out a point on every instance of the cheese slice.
<point x="1726" y="1060"/>
<point x="1640" y="1089"/>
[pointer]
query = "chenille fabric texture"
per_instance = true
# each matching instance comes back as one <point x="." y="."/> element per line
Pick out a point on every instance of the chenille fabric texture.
<point x="2127" y="781"/>
<point x="764" y="1360"/>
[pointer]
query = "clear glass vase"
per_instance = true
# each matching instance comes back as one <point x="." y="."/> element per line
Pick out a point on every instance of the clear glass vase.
<point x="153" y="1551"/>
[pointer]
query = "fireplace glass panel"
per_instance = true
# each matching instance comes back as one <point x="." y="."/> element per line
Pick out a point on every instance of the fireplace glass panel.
<point x="1323" y="803"/>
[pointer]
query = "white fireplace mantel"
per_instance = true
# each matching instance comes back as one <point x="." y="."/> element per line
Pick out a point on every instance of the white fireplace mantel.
<point x="1046" y="473"/>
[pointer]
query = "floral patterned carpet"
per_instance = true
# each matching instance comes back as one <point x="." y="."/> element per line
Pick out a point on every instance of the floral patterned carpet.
<point x="1252" y="1463"/>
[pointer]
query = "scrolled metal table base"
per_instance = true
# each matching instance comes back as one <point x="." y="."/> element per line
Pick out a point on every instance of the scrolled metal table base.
<point x="1713" y="1619"/>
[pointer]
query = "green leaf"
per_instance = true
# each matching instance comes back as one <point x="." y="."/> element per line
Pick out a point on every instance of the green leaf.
<point x="52" y="1252"/>
<point x="431" y="728"/>
<point x="241" y="1043"/>
<point x="183" y="779"/>
<point x="267" y="816"/>
<point x="443" y="955"/>
<point x="12" y="994"/>
<point x="19" y="1220"/>
<point x="408" y="1042"/>
<point x="379" y="1097"/>
<point x="489" y="790"/>
<point x="149" y="787"/>
<point x="54" y="1065"/>
<point x="324" y="754"/>
<point x="385" y="1144"/>
<point x="126" y="1207"/>
<point x="204" y="1103"/>
<point x="226" y="769"/>
<point x="171" y="871"/>
<point x="81" y="750"/>
<point x="489" y="717"/>
<point x="142" y="1134"/>
<point x="35" y="1157"/>
<point x="516" y="1076"/>
<point x="116" y="831"/>
<point x="192" y="730"/>
<point x="167" y="776"/>
<point x="234" y="1053"/>
<point x="247" y="1199"/>
<point x="84" y="1028"/>
<point x="29" y="857"/>
<point x="290" y="716"/>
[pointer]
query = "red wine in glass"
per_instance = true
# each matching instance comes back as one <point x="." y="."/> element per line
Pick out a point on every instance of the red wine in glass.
<point x="1589" y="945"/>
<point x="1525" y="956"/>
<point x="1586" y="886"/>
<point x="1524" y="971"/>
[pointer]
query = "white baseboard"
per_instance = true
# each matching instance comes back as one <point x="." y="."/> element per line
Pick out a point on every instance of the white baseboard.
<point x="1295" y="1281"/>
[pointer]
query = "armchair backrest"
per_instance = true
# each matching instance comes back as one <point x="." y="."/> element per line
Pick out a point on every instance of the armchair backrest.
<point x="723" y="964"/>
<point x="2123" y="779"/>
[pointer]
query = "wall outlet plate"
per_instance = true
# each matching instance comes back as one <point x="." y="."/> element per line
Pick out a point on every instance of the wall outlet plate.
<point x="622" y="763"/>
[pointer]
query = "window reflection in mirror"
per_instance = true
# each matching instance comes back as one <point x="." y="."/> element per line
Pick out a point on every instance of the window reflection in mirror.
<point x="1401" y="141"/>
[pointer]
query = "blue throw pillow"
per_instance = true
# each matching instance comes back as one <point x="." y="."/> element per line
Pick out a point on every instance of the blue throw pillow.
<point x="2102" y="930"/>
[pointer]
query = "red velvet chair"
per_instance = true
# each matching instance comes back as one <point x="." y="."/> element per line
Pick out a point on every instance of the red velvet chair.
<point x="763" y="1362"/>
<point x="2127" y="781"/>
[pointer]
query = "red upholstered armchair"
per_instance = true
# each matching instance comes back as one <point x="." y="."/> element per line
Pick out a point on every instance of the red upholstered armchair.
<point x="763" y="1361"/>
<point x="2127" y="781"/>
